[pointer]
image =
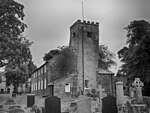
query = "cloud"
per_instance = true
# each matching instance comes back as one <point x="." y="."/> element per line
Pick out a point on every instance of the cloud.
<point x="49" y="21"/>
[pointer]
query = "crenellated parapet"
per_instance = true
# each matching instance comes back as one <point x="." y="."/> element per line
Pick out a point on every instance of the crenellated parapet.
<point x="84" y="22"/>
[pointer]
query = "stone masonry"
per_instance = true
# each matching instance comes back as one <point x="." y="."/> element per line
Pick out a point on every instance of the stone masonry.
<point x="84" y="43"/>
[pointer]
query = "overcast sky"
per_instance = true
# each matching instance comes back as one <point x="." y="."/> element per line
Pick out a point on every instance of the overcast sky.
<point x="49" y="21"/>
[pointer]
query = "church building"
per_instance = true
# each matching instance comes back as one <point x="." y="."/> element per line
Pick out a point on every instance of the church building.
<point x="84" y="74"/>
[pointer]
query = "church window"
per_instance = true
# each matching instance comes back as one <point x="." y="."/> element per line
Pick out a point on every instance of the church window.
<point x="45" y="83"/>
<point x="33" y="86"/>
<point x="67" y="87"/>
<point x="89" y="34"/>
<point x="74" y="34"/>
<point x="36" y="86"/>
<point x="86" y="83"/>
<point x="41" y="84"/>
<point x="34" y="75"/>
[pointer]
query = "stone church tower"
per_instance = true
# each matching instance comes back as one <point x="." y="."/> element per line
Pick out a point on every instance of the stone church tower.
<point x="84" y="46"/>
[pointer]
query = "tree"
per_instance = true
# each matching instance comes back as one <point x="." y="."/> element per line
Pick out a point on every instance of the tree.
<point x="60" y="58"/>
<point x="136" y="54"/>
<point x="31" y="67"/>
<point x="15" y="51"/>
<point x="19" y="74"/>
<point x="106" y="57"/>
<point x="51" y="54"/>
<point x="64" y="60"/>
<point x="13" y="45"/>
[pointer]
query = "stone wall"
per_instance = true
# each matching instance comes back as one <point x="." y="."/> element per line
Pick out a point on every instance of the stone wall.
<point x="59" y="87"/>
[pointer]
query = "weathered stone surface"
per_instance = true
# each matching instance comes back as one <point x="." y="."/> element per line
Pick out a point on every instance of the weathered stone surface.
<point x="16" y="111"/>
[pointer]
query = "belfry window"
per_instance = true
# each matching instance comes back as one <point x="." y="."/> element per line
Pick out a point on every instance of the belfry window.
<point x="89" y="34"/>
<point x="74" y="34"/>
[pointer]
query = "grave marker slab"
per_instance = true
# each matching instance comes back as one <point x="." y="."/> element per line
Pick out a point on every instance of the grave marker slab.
<point x="109" y="104"/>
<point x="52" y="105"/>
<point x="30" y="100"/>
<point x="84" y="104"/>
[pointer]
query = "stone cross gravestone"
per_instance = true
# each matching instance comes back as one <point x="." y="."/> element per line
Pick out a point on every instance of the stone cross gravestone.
<point x="137" y="84"/>
<point x="109" y="104"/>
<point x="52" y="105"/>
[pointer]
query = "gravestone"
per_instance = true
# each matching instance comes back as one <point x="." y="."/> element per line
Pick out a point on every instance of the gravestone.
<point x="19" y="90"/>
<point x="83" y="104"/>
<point x="109" y="104"/>
<point x="132" y="92"/>
<point x="73" y="107"/>
<point x="137" y="84"/>
<point x="30" y="100"/>
<point x="13" y="95"/>
<point x="120" y="93"/>
<point x="52" y="105"/>
<point x="23" y="88"/>
<point x="137" y="105"/>
<point x="100" y="93"/>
